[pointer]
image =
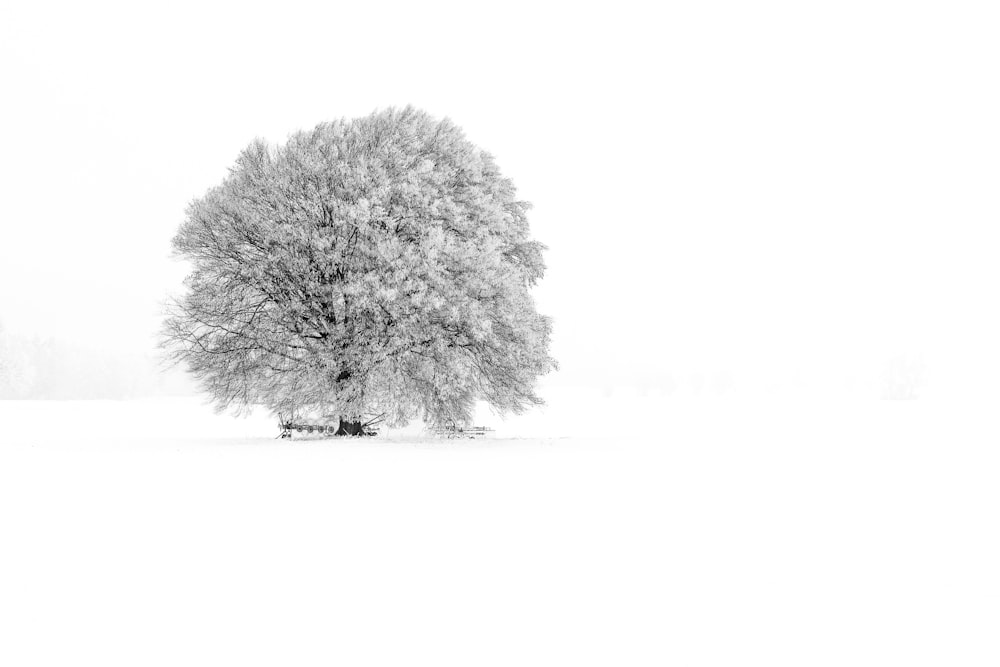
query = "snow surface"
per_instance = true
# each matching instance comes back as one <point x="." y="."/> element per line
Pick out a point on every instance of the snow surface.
<point x="610" y="530"/>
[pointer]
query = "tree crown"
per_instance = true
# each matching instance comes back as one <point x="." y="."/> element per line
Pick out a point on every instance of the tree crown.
<point x="377" y="265"/>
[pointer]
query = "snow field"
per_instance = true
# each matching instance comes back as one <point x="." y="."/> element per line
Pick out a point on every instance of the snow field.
<point x="714" y="533"/>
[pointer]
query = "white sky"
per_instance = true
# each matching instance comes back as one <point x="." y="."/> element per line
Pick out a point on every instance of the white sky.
<point x="768" y="189"/>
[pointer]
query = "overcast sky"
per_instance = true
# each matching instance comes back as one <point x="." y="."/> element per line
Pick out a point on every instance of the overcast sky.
<point x="765" y="189"/>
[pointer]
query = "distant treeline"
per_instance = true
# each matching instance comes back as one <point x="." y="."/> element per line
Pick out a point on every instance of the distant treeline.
<point x="36" y="368"/>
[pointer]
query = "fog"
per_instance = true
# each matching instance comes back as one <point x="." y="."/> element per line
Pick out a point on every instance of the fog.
<point x="736" y="199"/>
<point x="762" y="219"/>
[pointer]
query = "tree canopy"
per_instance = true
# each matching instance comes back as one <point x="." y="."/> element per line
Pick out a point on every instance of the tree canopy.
<point x="379" y="265"/>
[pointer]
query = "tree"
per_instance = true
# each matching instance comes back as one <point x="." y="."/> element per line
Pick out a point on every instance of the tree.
<point x="377" y="266"/>
<point x="16" y="373"/>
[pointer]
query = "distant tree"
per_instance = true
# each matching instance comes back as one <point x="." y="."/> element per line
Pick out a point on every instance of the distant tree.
<point x="7" y="369"/>
<point x="17" y="374"/>
<point x="901" y="378"/>
<point x="378" y="266"/>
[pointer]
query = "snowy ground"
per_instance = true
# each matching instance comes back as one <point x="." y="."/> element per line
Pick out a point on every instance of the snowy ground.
<point x="710" y="532"/>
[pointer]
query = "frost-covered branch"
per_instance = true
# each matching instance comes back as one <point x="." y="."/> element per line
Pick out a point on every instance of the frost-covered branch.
<point x="374" y="266"/>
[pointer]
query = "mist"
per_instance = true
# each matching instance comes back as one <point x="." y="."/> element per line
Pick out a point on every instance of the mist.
<point x="728" y="203"/>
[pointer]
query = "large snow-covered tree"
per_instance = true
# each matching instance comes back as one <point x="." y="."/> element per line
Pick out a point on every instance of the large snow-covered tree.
<point x="379" y="265"/>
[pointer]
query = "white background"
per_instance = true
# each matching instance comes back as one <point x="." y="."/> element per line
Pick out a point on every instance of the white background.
<point x="773" y="193"/>
<point x="752" y="210"/>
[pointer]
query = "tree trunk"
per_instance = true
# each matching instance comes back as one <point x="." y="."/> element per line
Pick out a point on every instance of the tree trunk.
<point x="350" y="428"/>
